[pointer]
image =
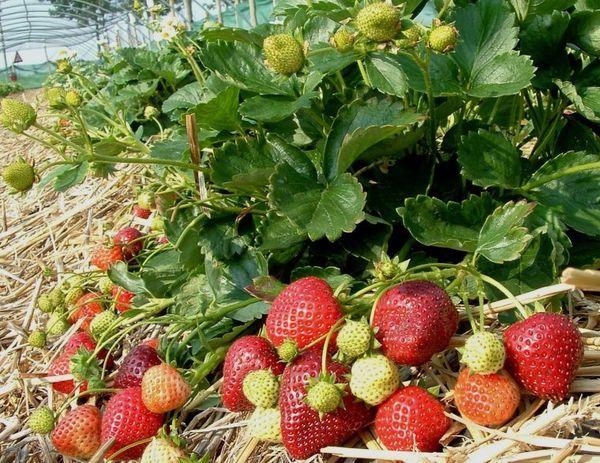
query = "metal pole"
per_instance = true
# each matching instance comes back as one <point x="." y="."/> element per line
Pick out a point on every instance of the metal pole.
<point x="189" y="14"/>
<point x="219" y="11"/>
<point x="3" y="49"/>
<point x="236" y="8"/>
<point x="253" y="20"/>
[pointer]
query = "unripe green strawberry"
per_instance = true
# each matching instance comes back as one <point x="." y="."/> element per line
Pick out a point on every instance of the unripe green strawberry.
<point x="37" y="339"/>
<point x="16" y="115"/>
<point x="41" y="421"/>
<point x="73" y="99"/>
<point x="44" y="303"/>
<point x="484" y="353"/>
<point x="60" y="309"/>
<point x="261" y="388"/>
<point x="102" y="323"/>
<point x="105" y="285"/>
<point x="324" y="395"/>
<point x="378" y="22"/>
<point x="374" y="378"/>
<point x="75" y="281"/>
<point x="157" y="224"/>
<point x="146" y="200"/>
<point x="57" y="297"/>
<point x="150" y="112"/>
<point x="283" y="54"/>
<point x="57" y="324"/>
<point x="162" y="450"/>
<point x="55" y="97"/>
<point x="19" y="175"/>
<point x="288" y="350"/>
<point x="386" y="270"/>
<point x="443" y="38"/>
<point x="73" y="295"/>
<point x="64" y="66"/>
<point x="343" y="39"/>
<point x="265" y="425"/>
<point x="355" y="338"/>
<point x="410" y="37"/>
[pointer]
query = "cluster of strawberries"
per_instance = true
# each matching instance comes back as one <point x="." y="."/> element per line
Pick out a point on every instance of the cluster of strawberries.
<point x="318" y="377"/>
<point x="146" y="389"/>
<point x="143" y="387"/>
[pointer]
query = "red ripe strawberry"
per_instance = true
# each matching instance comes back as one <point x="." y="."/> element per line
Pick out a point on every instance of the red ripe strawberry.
<point x="411" y="419"/>
<point x="414" y="320"/>
<point x="81" y="339"/>
<point x="152" y="342"/>
<point x="162" y="240"/>
<point x="140" y="212"/>
<point x="130" y="240"/>
<point x="77" y="434"/>
<point x="86" y="308"/>
<point x="62" y="364"/>
<point x="122" y="298"/>
<point x="127" y="419"/>
<point x="303" y="432"/>
<point x="488" y="400"/>
<point x="247" y="354"/>
<point x="164" y="389"/>
<point x="103" y="257"/>
<point x="304" y="311"/>
<point x="134" y="365"/>
<point x="543" y="354"/>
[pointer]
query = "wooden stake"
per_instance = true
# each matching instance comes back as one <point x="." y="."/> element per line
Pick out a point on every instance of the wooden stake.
<point x="192" y="134"/>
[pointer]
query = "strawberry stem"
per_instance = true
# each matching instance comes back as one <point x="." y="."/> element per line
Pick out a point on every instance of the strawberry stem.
<point x="332" y="330"/>
<point x="465" y="298"/>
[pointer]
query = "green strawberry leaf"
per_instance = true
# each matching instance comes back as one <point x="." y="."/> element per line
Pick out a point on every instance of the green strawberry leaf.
<point x="535" y="268"/>
<point x="484" y="52"/>
<point x="232" y="34"/>
<point x="584" y="91"/>
<point x="279" y="232"/>
<point x="266" y="288"/>
<point x="228" y="279"/>
<point x="184" y="98"/>
<point x="120" y="276"/>
<point x="448" y="225"/>
<point x="319" y="209"/>
<point x="174" y="149"/>
<point x="489" y="159"/>
<point x="274" y="108"/>
<point x="328" y="60"/>
<point x="70" y="177"/>
<point x="220" y="112"/>
<point x="245" y="165"/>
<point x="503" y="236"/>
<point x="241" y="165"/>
<point x="386" y="74"/>
<point x="332" y="275"/>
<point x="241" y="65"/>
<point x="574" y="196"/>
<point x="443" y="73"/>
<point x="358" y="127"/>
<point x="543" y="36"/>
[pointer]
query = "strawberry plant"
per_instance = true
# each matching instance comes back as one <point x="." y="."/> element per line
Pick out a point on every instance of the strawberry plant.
<point x="348" y="174"/>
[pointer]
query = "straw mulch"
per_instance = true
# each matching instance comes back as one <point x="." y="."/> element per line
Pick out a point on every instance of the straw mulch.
<point x="44" y="236"/>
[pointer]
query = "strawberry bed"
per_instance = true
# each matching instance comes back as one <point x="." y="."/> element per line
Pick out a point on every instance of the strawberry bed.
<point x="352" y="234"/>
